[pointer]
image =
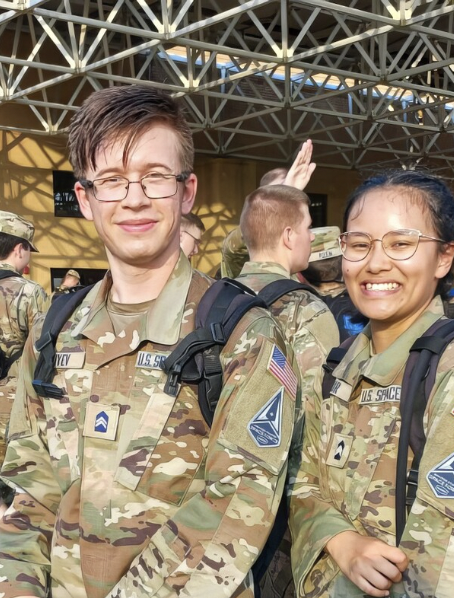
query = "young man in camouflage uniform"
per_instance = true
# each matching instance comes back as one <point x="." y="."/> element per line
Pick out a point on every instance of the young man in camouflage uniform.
<point x="275" y="224"/>
<point x="122" y="490"/>
<point x="21" y="302"/>
<point x="234" y="253"/>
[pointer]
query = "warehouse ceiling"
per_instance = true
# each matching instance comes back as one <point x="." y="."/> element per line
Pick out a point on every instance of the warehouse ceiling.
<point x="368" y="82"/>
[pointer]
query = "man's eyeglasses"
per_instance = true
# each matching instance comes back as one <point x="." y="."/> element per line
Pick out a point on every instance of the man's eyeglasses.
<point x="397" y="244"/>
<point x="155" y="185"/>
<point x="196" y="241"/>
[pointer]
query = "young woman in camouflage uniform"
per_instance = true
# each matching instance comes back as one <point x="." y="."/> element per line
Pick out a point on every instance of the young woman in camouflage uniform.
<point x="397" y="260"/>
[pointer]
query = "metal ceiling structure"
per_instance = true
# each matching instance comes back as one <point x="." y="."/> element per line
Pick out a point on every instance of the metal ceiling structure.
<point x="368" y="82"/>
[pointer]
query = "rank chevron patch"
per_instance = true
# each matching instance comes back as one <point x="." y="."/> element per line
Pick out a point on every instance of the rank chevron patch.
<point x="101" y="422"/>
<point x="266" y="426"/>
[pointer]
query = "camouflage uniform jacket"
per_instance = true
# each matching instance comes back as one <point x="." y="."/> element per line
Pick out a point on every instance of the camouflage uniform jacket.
<point x="21" y="302"/>
<point x="234" y="254"/>
<point x="122" y="490"/>
<point x="348" y="473"/>
<point x="310" y="329"/>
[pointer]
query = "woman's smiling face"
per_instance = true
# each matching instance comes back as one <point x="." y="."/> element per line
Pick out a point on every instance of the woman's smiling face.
<point x="393" y="293"/>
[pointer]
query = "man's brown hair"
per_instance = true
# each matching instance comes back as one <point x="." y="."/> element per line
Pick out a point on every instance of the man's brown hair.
<point x="191" y="219"/>
<point x="269" y="177"/>
<point x="267" y="211"/>
<point x="124" y="113"/>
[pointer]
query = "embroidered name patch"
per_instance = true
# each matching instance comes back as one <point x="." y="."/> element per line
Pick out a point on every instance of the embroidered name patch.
<point x="341" y="390"/>
<point x="441" y="478"/>
<point x="391" y="394"/>
<point x="150" y="361"/>
<point x="280" y="368"/>
<point x="69" y="360"/>
<point x="265" y="427"/>
<point x="101" y="421"/>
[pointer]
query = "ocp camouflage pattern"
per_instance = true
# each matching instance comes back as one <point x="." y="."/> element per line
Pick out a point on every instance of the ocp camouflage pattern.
<point x="165" y="508"/>
<point x="311" y="331"/>
<point x="22" y="301"/>
<point x="348" y="473"/>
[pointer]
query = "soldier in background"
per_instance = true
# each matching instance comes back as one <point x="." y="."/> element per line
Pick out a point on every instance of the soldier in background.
<point x="123" y="490"/>
<point x="69" y="284"/>
<point x="324" y="273"/>
<point x="21" y="302"/>
<point x="191" y="231"/>
<point x="234" y="253"/>
<point x="275" y="224"/>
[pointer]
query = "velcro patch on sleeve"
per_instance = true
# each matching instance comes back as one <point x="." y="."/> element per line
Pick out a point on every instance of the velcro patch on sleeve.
<point x="260" y="422"/>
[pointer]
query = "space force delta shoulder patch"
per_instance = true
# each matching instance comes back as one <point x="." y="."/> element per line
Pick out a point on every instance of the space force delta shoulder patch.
<point x="441" y="478"/>
<point x="390" y="394"/>
<point x="265" y="427"/>
<point x="280" y="368"/>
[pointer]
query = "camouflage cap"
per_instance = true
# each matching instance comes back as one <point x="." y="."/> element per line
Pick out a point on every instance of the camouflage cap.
<point x="12" y="224"/>
<point x="325" y="244"/>
<point x="74" y="273"/>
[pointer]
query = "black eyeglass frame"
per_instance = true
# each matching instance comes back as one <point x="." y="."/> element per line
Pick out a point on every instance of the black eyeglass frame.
<point x="179" y="178"/>
<point x="402" y="259"/>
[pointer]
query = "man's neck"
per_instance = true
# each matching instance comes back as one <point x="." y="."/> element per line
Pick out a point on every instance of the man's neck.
<point x="266" y="256"/>
<point x="138" y="284"/>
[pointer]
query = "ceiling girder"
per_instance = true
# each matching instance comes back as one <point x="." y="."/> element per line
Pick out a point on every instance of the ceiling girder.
<point x="369" y="82"/>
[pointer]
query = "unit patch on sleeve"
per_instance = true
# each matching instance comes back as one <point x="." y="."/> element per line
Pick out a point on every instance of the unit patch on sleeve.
<point x="441" y="478"/>
<point x="281" y="369"/>
<point x="390" y="394"/>
<point x="265" y="427"/>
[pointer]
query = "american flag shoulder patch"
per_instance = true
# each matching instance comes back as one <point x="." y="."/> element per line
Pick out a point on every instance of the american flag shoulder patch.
<point x="281" y="369"/>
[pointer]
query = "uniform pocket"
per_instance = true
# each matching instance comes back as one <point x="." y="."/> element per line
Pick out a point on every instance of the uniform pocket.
<point x="168" y="448"/>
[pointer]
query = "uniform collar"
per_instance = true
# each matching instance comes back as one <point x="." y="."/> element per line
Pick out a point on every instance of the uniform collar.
<point x="384" y="368"/>
<point x="6" y="266"/>
<point x="161" y="326"/>
<point x="265" y="268"/>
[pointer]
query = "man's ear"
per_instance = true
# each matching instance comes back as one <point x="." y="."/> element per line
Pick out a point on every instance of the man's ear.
<point x="190" y="189"/>
<point x="84" y="203"/>
<point x="287" y="237"/>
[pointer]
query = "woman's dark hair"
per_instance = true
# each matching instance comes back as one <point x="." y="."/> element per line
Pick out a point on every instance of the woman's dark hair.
<point x="9" y="242"/>
<point x="429" y="191"/>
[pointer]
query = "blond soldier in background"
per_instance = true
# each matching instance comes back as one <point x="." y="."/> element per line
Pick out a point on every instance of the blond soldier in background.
<point x="234" y="253"/>
<point x="122" y="490"/>
<point x="275" y="224"/>
<point x="21" y="302"/>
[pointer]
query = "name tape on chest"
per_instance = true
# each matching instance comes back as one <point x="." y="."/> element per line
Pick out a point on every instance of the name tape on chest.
<point x="265" y="427"/>
<point x="441" y="478"/>
<point x="101" y="421"/>
<point x="149" y="360"/>
<point x="341" y="390"/>
<point x="391" y="394"/>
<point x="69" y="360"/>
<point x="280" y="368"/>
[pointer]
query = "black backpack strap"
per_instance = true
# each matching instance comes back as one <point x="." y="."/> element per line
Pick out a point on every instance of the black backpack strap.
<point x="8" y="274"/>
<point x="417" y="383"/>
<point x="57" y="316"/>
<point x="196" y="359"/>
<point x="335" y="356"/>
<point x="278" y="288"/>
